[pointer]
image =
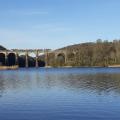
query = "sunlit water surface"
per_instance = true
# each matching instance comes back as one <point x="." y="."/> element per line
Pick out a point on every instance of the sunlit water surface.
<point x="60" y="94"/>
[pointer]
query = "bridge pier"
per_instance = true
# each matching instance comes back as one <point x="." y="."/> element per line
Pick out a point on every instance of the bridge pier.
<point x="65" y="57"/>
<point x="36" y="62"/>
<point x="46" y="63"/>
<point x="46" y="58"/>
<point x="26" y="59"/>
<point x="16" y="59"/>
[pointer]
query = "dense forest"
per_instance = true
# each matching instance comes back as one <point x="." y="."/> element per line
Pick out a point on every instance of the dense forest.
<point x="99" y="53"/>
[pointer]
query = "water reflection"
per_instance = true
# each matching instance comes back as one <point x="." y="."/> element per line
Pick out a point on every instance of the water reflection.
<point x="68" y="79"/>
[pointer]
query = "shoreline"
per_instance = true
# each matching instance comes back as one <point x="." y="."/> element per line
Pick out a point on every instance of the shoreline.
<point x="114" y="66"/>
<point x="9" y="67"/>
<point x="17" y="67"/>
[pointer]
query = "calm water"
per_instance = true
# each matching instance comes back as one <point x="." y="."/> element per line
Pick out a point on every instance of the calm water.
<point x="60" y="94"/>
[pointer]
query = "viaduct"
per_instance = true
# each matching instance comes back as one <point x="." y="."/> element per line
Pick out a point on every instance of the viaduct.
<point x="6" y="54"/>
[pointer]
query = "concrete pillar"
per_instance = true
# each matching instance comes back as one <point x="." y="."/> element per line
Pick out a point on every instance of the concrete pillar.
<point x="26" y="59"/>
<point x="36" y="64"/>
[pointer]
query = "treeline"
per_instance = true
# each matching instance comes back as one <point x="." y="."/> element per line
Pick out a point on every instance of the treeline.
<point x="100" y="53"/>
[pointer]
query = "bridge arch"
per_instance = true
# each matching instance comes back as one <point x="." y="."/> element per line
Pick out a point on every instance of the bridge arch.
<point x="2" y="59"/>
<point x="31" y="59"/>
<point x="21" y="59"/>
<point x="60" y="59"/>
<point x="11" y="59"/>
<point x="41" y="60"/>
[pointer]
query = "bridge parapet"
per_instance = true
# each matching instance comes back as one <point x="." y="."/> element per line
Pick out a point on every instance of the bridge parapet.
<point x="31" y="50"/>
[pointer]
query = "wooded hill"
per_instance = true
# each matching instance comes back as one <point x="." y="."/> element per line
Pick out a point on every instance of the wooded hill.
<point x="100" y="53"/>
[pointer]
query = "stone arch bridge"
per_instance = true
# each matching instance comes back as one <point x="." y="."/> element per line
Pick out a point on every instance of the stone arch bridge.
<point x="6" y="54"/>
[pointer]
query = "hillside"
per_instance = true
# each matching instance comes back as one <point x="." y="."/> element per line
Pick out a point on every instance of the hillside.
<point x="99" y="53"/>
<point x="77" y="46"/>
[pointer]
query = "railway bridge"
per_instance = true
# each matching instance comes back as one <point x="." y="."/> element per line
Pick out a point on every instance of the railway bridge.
<point x="14" y="54"/>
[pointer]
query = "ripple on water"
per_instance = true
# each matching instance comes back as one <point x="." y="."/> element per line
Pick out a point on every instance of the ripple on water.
<point x="62" y="94"/>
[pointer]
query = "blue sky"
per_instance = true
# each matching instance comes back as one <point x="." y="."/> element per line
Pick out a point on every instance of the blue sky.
<point x="57" y="23"/>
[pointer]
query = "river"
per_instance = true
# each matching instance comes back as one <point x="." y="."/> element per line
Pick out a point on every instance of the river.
<point x="60" y="94"/>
